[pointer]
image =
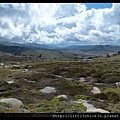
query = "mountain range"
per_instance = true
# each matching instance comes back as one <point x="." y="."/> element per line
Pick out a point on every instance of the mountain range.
<point x="57" y="50"/>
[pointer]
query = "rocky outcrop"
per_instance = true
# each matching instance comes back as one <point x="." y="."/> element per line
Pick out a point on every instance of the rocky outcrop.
<point x="112" y="54"/>
<point x="90" y="107"/>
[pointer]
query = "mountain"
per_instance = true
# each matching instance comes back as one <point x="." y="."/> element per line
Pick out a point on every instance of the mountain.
<point x="84" y="48"/>
<point x="46" y="46"/>
<point x="55" y="51"/>
<point x="95" y="48"/>
<point x="8" y="47"/>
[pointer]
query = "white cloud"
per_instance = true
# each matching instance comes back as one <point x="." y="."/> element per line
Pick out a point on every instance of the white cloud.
<point x="59" y="22"/>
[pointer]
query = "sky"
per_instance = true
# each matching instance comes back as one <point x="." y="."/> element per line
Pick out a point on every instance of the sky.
<point x="98" y="5"/>
<point x="55" y="23"/>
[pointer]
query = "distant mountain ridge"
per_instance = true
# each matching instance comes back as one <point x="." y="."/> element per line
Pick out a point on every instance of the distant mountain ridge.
<point x="57" y="50"/>
<point x="8" y="47"/>
<point x="84" y="48"/>
<point x="95" y="48"/>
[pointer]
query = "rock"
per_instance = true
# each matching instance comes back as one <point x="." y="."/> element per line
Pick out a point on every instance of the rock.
<point x="95" y="90"/>
<point x="1" y="64"/>
<point x="69" y="79"/>
<point x="16" y="66"/>
<point x="48" y="90"/>
<point x="98" y="83"/>
<point x="25" y="70"/>
<point x="81" y="79"/>
<point x="118" y="84"/>
<point x="12" y="101"/>
<point x="10" y="81"/>
<point x="29" y="81"/>
<point x="63" y="97"/>
<point x="90" y="107"/>
<point x="26" y="111"/>
<point x="6" y="66"/>
<point x="106" y="56"/>
<point x="58" y="76"/>
<point x="118" y="52"/>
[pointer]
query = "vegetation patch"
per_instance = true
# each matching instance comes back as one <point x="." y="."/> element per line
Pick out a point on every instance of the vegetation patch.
<point x="41" y="73"/>
<point x="73" y="88"/>
<point x="83" y="97"/>
<point x="110" y="94"/>
<point x="58" y="106"/>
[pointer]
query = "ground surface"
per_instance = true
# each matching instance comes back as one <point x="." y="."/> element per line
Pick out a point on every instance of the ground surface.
<point x="23" y="79"/>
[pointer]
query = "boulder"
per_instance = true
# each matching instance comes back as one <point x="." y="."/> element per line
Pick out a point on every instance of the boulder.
<point x="63" y="97"/>
<point x="48" y="90"/>
<point x="10" y="81"/>
<point x="118" y="84"/>
<point x="81" y="79"/>
<point x="95" y="90"/>
<point x="12" y="101"/>
<point x="90" y="107"/>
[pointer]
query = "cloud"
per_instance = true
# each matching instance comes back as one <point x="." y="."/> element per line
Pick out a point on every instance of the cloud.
<point x="59" y="22"/>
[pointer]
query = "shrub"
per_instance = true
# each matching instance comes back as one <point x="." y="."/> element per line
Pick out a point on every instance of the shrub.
<point x="83" y="97"/>
<point x="108" y="78"/>
<point x="110" y="94"/>
<point x="58" y="106"/>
